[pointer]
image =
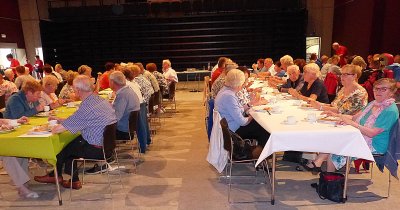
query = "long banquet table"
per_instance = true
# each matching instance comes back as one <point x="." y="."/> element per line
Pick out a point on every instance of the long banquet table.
<point x="44" y="147"/>
<point x="305" y="136"/>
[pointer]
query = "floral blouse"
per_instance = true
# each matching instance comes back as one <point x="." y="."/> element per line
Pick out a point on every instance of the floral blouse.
<point x="66" y="91"/>
<point x="351" y="103"/>
<point x="217" y="86"/>
<point x="7" y="88"/>
<point x="162" y="82"/>
<point x="243" y="96"/>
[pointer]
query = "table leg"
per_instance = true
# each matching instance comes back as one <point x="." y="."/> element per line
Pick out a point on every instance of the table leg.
<point x="273" y="179"/>
<point x="346" y="176"/>
<point x="58" y="186"/>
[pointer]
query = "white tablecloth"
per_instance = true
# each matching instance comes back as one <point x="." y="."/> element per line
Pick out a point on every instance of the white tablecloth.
<point x="306" y="136"/>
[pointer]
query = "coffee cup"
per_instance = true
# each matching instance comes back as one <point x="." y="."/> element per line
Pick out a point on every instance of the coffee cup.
<point x="46" y="108"/>
<point x="312" y="117"/>
<point x="291" y="120"/>
<point x="53" y="122"/>
<point x="13" y="123"/>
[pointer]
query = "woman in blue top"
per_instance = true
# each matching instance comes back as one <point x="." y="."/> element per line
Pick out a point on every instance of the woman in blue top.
<point x="229" y="107"/>
<point x="374" y="123"/>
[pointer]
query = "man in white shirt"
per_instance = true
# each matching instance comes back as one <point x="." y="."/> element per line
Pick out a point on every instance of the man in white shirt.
<point x="269" y="65"/>
<point x="168" y="72"/>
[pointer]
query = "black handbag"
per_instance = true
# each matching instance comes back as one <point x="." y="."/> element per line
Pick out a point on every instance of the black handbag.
<point x="242" y="149"/>
<point x="292" y="156"/>
<point x="331" y="186"/>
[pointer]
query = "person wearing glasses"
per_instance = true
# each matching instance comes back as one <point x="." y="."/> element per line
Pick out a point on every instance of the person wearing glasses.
<point x="351" y="98"/>
<point x="374" y="123"/>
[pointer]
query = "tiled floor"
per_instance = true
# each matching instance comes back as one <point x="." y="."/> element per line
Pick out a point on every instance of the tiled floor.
<point x="175" y="175"/>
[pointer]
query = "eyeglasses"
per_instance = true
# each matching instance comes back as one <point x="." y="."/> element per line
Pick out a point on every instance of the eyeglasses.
<point x="381" y="89"/>
<point x="347" y="74"/>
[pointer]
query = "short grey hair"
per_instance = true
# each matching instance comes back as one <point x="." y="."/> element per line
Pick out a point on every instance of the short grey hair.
<point x="294" y="68"/>
<point x="287" y="60"/>
<point x="118" y="78"/>
<point x="83" y="83"/>
<point x="234" y="78"/>
<point x="167" y="61"/>
<point x="313" y="68"/>
<point x="50" y="79"/>
<point x="8" y="71"/>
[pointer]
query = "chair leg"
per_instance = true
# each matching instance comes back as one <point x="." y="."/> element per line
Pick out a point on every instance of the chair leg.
<point x="70" y="187"/>
<point x="119" y="171"/>
<point x="108" y="177"/>
<point x="230" y="182"/>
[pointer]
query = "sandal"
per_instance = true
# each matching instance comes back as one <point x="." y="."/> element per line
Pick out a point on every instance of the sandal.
<point x="314" y="170"/>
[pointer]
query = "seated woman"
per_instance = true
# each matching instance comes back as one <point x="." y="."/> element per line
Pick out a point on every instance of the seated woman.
<point x="17" y="168"/>
<point x="7" y="88"/>
<point x="374" y="123"/>
<point x="247" y="97"/>
<point x="67" y="92"/>
<point x="313" y="88"/>
<point x="48" y="96"/>
<point x="228" y="105"/>
<point x="25" y="102"/>
<point x="351" y="98"/>
<point x="295" y="80"/>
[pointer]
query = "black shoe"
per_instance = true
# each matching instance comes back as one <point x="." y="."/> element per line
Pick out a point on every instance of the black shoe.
<point x="314" y="185"/>
<point x="97" y="169"/>
<point x="314" y="170"/>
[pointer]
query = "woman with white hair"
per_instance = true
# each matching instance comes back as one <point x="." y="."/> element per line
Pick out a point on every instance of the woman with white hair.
<point x="48" y="96"/>
<point x="313" y="88"/>
<point x="228" y="106"/>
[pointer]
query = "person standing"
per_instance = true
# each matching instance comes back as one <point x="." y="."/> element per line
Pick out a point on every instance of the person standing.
<point x="14" y="62"/>
<point x="341" y="51"/>
<point x="38" y="67"/>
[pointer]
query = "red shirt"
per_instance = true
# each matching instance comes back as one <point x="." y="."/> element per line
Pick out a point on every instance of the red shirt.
<point x="216" y="74"/>
<point x="342" y="52"/>
<point x="14" y="63"/>
<point x="29" y="66"/>
<point x="39" y="64"/>
<point x="104" y="81"/>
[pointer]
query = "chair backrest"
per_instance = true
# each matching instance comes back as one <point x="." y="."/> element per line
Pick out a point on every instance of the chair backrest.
<point x="227" y="136"/>
<point x="59" y="87"/>
<point x="133" y="118"/>
<point x="109" y="136"/>
<point x="172" y="88"/>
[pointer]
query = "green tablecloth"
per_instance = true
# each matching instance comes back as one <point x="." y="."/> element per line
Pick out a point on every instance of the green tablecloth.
<point x="36" y="147"/>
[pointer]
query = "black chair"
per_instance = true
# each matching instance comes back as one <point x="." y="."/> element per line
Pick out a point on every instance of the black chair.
<point x="59" y="87"/>
<point x="109" y="144"/>
<point x="170" y="97"/>
<point x="228" y="136"/>
<point x="132" y="124"/>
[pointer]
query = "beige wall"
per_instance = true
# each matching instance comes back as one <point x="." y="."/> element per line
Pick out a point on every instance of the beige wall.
<point x="320" y="22"/>
<point x="30" y="18"/>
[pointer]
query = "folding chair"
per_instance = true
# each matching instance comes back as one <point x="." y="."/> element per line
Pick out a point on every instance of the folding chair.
<point x="228" y="136"/>
<point x="109" y="145"/>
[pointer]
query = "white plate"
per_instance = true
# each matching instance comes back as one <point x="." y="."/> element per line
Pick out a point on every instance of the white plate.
<point x="38" y="132"/>
<point x="7" y="130"/>
<point x="43" y="114"/>
<point x="286" y="123"/>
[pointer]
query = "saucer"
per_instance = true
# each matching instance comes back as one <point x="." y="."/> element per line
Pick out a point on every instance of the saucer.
<point x="286" y="123"/>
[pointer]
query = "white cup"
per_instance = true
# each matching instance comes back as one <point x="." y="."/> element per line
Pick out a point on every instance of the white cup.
<point x="276" y="109"/>
<point x="13" y="123"/>
<point x="291" y="120"/>
<point x="53" y="122"/>
<point x="46" y="108"/>
<point x="311" y="117"/>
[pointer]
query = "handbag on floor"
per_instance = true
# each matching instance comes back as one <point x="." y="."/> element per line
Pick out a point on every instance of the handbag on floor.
<point x="331" y="186"/>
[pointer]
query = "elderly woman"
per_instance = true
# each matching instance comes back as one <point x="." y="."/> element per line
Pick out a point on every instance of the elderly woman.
<point x="67" y="92"/>
<point x="48" y="96"/>
<point x="359" y="61"/>
<point x="228" y="105"/>
<point x="351" y="98"/>
<point x="374" y="123"/>
<point x="330" y="66"/>
<point x="23" y="76"/>
<point x="314" y="88"/>
<point x="7" y="88"/>
<point x="25" y="102"/>
<point x="246" y="98"/>
<point x="9" y="75"/>
<point x="295" y="80"/>
<point x="220" y="81"/>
